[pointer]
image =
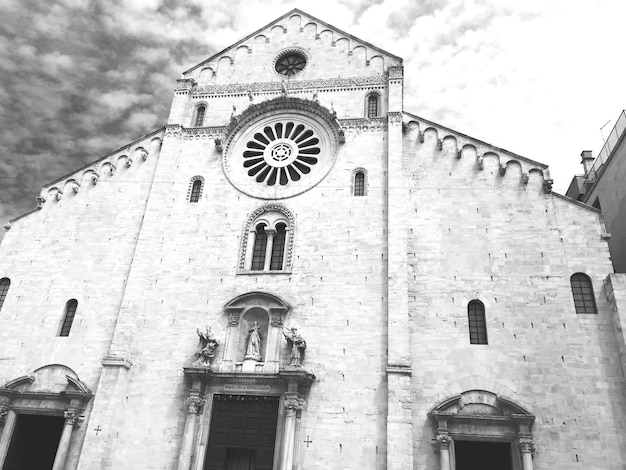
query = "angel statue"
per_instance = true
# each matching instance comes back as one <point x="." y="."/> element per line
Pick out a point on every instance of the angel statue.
<point x="253" y="350"/>
<point x="206" y="349"/>
<point x="298" y="345"/>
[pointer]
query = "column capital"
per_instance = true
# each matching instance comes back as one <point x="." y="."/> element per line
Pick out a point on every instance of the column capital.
<point x="72" y="418"/>
<point x="293" y="403"/>
<point x="525" y="442"/>
<point x="442" y="440"/>
<point x="194" y="404"/>
<point x="4" y="411"/>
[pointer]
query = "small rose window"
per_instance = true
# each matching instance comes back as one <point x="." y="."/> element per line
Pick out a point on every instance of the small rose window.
<point x="290" y="64"/>
<point x="281" y="153"/>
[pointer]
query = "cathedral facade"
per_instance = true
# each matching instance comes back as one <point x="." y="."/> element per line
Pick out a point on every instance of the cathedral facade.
<point x="296" y="272"/>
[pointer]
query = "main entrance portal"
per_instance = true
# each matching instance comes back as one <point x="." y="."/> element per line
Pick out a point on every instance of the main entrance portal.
<point x="34" y="442"/>
<point x="243" y="433"/>
<point x="475" y="455"/>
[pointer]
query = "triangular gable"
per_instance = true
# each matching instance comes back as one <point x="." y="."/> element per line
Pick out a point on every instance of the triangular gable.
<point x="305" y="21"/>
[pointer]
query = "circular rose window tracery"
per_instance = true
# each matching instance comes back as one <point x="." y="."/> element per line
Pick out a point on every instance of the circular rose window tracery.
<point x="281" y="153"/>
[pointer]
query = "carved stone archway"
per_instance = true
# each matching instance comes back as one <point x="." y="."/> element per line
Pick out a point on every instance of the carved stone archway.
<point x="52" y="390"/>
<point x="480" y="415"/>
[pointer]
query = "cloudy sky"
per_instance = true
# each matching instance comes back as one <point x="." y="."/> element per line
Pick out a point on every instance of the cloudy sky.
<point x="79" y="78"/>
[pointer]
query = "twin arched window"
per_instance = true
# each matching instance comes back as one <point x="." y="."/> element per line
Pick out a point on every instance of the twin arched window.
<point x="582" y="290"/>
<point x="268" y="241"/>
<point x="5" y="283"/>
<point x="68" y="317"/>
<point x="477" y="322"/>
<point x="198" y="120"/>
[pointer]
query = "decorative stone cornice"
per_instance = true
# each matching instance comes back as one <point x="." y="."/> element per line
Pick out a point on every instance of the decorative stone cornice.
<point x="296" y="85"/>
<point x="396" y="72"/>
<point x="394" y="117"/>
<point x="173" y="130"/>
<point x="364" y="124"/>
<point x="203" y="133"/>
<point x="184" y="85"/>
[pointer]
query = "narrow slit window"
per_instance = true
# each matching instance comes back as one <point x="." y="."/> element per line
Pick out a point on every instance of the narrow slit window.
<point x="5" y="283"/>
<point x="68" y="318"/>
<point x="477" y="323"/>
<point x="372" y="106"/>
<point x="200" y="111"/>
<point x="260" y="246"/>
<point x="582" y="290"/>
<point x="196" y="191"/>
<point x="359" y="184"/>
<point x="278" y="248"/>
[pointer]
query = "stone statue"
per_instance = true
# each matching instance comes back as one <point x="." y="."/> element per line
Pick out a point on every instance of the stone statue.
<point x="253" y="351"/>
<point x="332" y="110"/>
<point x="298" y="345"/>
<point x="233" y="115"/>
<point x="250" y="97"/>
<point x="284" y="88"/>
<point x="316" y="97"/>
<point x="206" y="350"/>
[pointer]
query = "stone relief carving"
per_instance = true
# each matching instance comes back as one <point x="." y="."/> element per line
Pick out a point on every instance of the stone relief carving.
<point x="297" y="344"/>
<point x="208" y="344"/>
<point x="253" y="351"/>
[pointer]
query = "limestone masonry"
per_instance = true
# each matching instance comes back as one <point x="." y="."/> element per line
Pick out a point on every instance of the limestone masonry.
<point x="296" y="272"/>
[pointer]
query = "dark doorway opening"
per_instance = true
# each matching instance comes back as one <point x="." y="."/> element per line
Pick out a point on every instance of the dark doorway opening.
<point x="243" y="433"/>
<point x="34" y="442"/>
<point x="475" y="455"/>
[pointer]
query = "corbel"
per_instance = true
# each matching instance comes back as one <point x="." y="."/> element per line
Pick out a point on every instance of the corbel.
<point x="439" y="144"/>
<point x="525" y="178"/>
<point x="40" y="201"/>
<point x="218" y="144"/>
<point x="502" y="169"/>
<point x="342" y="137"/>
<point x="458" y="153"/>
<point x="421" y="137"/>
<point x="547" y="186"/>
<point x="75" y="187"/>
<point x="94" y="178"/>
<point x="129" y="162"/>
<point x="59" y="195"/>
<point x="144" y="155"/>
<point x="480" y="161"/>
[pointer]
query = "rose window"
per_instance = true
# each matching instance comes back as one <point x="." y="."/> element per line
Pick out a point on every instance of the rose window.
<point x="290" y="64"/>
<point x="281" y="153"/>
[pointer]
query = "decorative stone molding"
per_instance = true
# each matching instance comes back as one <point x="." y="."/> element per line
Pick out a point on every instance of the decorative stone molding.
<point x="173" y="130"/>
<point x="271" y="87"/>
<point x="394" y="117"/>
<point x="364" y="124"/>
<point x="526" y="443"/>
<point x="203" y="133"/>
<point x="396" y="72"/>
<point x="184" y="85"/>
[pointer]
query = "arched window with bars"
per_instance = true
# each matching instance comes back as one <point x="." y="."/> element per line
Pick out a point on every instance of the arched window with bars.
<point x="477" y="322"/>
<point x="267" y="245"/>
<point x="68" y="317"/>
<point x="5" y="283"/>
<point x="199" y="116"/>
<point x="196" y="185"/>
<point x="372" y="105"/>
<point x="582" y="290"/>
<point x="359" y="183"/>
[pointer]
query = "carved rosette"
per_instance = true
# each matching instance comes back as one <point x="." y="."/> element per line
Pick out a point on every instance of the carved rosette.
<point x="194" y="404"/>
<point x="525" y="442"/>
<point x="72" y="418"/>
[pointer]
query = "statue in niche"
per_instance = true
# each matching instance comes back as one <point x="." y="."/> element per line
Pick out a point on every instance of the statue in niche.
<point x="298" y="345"/>
<point x="206" y="349"/>
<point x="253" y="351"/>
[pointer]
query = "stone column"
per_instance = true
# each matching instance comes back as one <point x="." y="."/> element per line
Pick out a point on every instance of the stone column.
<point x="442" y="445"/>
<point x="249" y="249"/>
<point x="72" y="418"/>
<point x="293" y="403"/>
<point x="194" y="404"/>
<point x="526" y="447"/>
<point x="268" y="250"/>
<point x="8" y="416"/>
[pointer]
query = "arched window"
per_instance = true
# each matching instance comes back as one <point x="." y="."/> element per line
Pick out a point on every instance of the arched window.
<point x="267" y="243"/>
<point x="5" y="283"/>
<point x="359" y="184"/>
<point x="195" y="191"/>
<point x="260" y="248"/>
<point x="278" y="248"/>
<point x="477" y="324"/>
<point x="199" y="120"/>
<point x="372" y="105"/>
<point x="196" y="184"/>
<point x="582" y="290"/>
<point x="68" y="318"/>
